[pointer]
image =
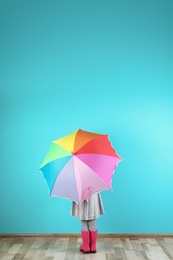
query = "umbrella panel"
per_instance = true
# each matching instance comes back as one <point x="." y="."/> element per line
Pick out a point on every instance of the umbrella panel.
<point x="56" y="151"/>
<point x="82" y="138"/>
<point x="100" y="145"/>
<point x="65" y="183"/>
<point x="52" y="169"/>
<point x="102" y="165"/>
<point x="67" y="142"/>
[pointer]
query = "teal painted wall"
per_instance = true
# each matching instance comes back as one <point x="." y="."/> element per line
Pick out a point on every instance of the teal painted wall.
<point x="103" y="66"/>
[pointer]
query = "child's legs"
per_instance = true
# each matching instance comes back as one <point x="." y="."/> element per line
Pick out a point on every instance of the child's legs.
<point x="92" y="224"/>
<point x="89" y="225"/>
<point x="85" y="225"/>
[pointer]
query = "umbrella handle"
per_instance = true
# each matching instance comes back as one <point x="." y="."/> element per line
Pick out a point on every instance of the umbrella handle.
<point x="87" y="192"/>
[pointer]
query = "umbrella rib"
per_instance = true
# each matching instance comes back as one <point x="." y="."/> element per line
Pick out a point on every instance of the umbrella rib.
<point x="77" y="182"/>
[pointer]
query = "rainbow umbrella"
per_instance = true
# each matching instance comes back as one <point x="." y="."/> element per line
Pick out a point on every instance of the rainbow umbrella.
<point x="79" y="165"/>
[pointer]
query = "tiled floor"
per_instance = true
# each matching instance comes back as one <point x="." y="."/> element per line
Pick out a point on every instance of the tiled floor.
<point x="64" y="248"/>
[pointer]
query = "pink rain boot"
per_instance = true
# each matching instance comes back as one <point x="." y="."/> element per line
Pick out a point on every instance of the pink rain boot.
<point x="93" y="239"/>
<point x="86" y="239"/>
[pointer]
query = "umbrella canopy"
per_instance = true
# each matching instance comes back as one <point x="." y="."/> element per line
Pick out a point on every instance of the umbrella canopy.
<point x="79" y="165"/>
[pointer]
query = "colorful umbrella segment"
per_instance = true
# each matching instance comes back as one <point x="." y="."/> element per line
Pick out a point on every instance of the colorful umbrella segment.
<point x="79" y="165"/>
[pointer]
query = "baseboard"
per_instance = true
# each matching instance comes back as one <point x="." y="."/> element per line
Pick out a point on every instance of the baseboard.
<point x="79" y="235"/>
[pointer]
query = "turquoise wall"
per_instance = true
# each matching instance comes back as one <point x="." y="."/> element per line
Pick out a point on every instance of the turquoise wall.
<point x="103" y="66"/>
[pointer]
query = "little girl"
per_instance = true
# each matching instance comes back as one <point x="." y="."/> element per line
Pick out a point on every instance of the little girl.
<point x="88" y="212"/>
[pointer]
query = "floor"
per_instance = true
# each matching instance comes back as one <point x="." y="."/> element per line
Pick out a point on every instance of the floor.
<point x="63" y="248"/>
